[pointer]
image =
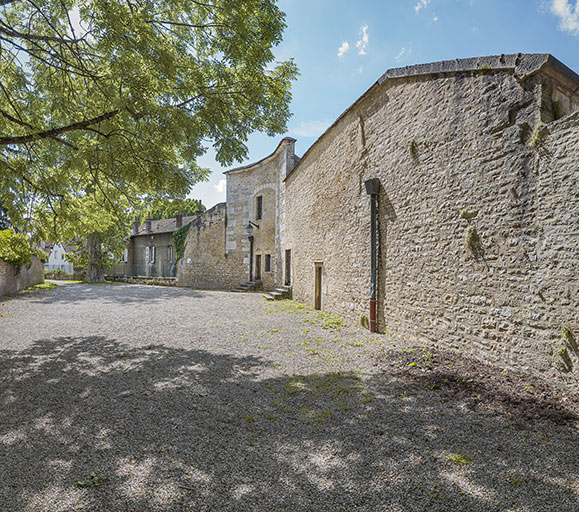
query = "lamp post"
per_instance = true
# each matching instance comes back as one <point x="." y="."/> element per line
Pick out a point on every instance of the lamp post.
<point x="249" y="233"/>
<point x="373" y="189"/>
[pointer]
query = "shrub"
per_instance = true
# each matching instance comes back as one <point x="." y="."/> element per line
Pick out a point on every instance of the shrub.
<point x="15" y="249"/>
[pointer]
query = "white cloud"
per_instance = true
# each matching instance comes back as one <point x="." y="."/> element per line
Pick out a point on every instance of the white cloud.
<point x="220" y="187"/>
<point x="569" y="15"/>
<point x="435" y="18"/>
<point x="343" y="49"/>
<point x="312" y="128"/>
<point x="403" y="53"/>
<point x="361" y="44"/>
<point x="421" y="5"/>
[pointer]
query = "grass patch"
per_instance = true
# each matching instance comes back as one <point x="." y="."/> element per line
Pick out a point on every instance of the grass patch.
<point x="459" y="458"/>
<point x="325" y="320"/>
<point x="47" y="285"/>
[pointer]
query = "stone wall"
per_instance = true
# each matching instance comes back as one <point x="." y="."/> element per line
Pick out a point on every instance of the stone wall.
<point x="244" y="185"/>
<point x="205" y="263"/>
<point x="452" y="150"/>
<point x="12" y="280"/>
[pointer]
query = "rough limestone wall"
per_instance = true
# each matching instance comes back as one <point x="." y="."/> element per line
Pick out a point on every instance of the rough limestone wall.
<point x="204" y="264"/>
<point x="556" y="302"/>
<point x="440" y="145"/>
<point x="28" y="275"/>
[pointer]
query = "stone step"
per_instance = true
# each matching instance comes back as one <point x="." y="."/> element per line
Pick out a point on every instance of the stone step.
<point x="247" y="287"/>
<point x="268" y="296"/>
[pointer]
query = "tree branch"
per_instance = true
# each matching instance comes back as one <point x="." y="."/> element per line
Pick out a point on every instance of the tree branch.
<point x="57" y="131"/>
<point x="34" y="37"/>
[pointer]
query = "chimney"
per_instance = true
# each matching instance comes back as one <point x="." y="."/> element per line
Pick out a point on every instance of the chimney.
<point x="136" y="226"/>
<point x="178" y="220"/>
<point x="148" y="223"/>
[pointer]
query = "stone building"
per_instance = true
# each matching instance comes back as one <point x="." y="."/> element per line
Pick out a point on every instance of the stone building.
<point x="151" y="250"/>
<point x="477" y="226"/>
<point x="220" y="253"/>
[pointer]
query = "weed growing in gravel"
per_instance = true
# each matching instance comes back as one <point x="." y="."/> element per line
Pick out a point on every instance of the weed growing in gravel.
<point x="325" y="320"/>
<point x="514" y="480"/>
<point x="93" y="480"/>
<point x="295" y="386"/>
<point x="437" y="492"/>
<point x="249" y="418"/>
<point x="459" y="458"/>
<point x="288" y="306"/>
<point x="332" y="322"/>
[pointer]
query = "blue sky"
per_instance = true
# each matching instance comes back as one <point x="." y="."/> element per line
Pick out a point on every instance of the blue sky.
<point x="341" y="47"/>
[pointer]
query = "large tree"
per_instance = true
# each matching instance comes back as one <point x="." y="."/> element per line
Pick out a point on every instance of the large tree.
<point x="103" y="102"/>
<point x="167" y="209"/>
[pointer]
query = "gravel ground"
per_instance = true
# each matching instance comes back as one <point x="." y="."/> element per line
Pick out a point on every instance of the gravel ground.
<point x="143" y="398"/>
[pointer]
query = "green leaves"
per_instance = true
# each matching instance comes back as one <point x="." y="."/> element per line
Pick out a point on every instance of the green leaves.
<point x="104" y="103"/>
<point x="93" y="480"/>
<point x="16" y="250"/>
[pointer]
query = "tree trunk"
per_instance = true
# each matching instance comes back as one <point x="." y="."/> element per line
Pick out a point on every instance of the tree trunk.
<point x="95" y="270"/>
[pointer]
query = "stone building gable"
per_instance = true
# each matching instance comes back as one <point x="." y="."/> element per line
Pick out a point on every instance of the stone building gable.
<point x="217" y="250"/>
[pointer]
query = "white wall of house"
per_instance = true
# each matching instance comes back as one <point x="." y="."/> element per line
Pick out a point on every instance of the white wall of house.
<point x="57" y="260"/>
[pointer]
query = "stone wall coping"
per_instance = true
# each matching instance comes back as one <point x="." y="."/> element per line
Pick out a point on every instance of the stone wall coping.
<point x="284" y="141"/>
<point x="522" y="64"/>
<point x="199" y="219"/>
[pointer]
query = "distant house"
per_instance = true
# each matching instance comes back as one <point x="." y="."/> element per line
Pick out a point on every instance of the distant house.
<point x="151" y="251"/>
<point x="57" y="258"/>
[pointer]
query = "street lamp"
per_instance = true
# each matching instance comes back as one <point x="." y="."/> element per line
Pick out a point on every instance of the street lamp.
<point x="249" y="233"/>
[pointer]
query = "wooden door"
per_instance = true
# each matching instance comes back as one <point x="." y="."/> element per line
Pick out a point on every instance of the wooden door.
<point x="288" y="267"/>
<point x="258" y="267"/>
<point x="318" y="288"/>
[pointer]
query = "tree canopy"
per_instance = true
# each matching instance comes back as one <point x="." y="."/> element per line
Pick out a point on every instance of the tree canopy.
<point x="104" y="102"/>
<point x="167" y="209"/>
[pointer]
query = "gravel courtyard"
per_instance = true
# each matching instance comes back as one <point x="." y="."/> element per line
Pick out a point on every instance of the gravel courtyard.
<point x="144" y="398"/>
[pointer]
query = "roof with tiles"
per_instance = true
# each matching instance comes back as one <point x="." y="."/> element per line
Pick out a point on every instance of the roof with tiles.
<point x="162" y="226"/>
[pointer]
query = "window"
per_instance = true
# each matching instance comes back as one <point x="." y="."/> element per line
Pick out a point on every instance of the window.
<point x="170" y="253"/>
<point x="62" y="257"/>
<point x="268" y="262"/>
<point x="125" y="256"/>
<point x="149" y="254"/>
<point x="259" y="207"/>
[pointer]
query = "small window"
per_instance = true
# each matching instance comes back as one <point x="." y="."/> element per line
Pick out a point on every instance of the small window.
<point x="152" y="255"/>
<point x="147" y="255"/>
<point x="268" y="262"/>
<point x="62" y="256"/>
<point x="259" y="208"/>
<point x="170" y="253"/>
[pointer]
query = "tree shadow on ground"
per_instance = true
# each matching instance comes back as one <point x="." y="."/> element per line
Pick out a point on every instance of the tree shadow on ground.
<point x="173" y="430"/>
<point x="518" y="396"/>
